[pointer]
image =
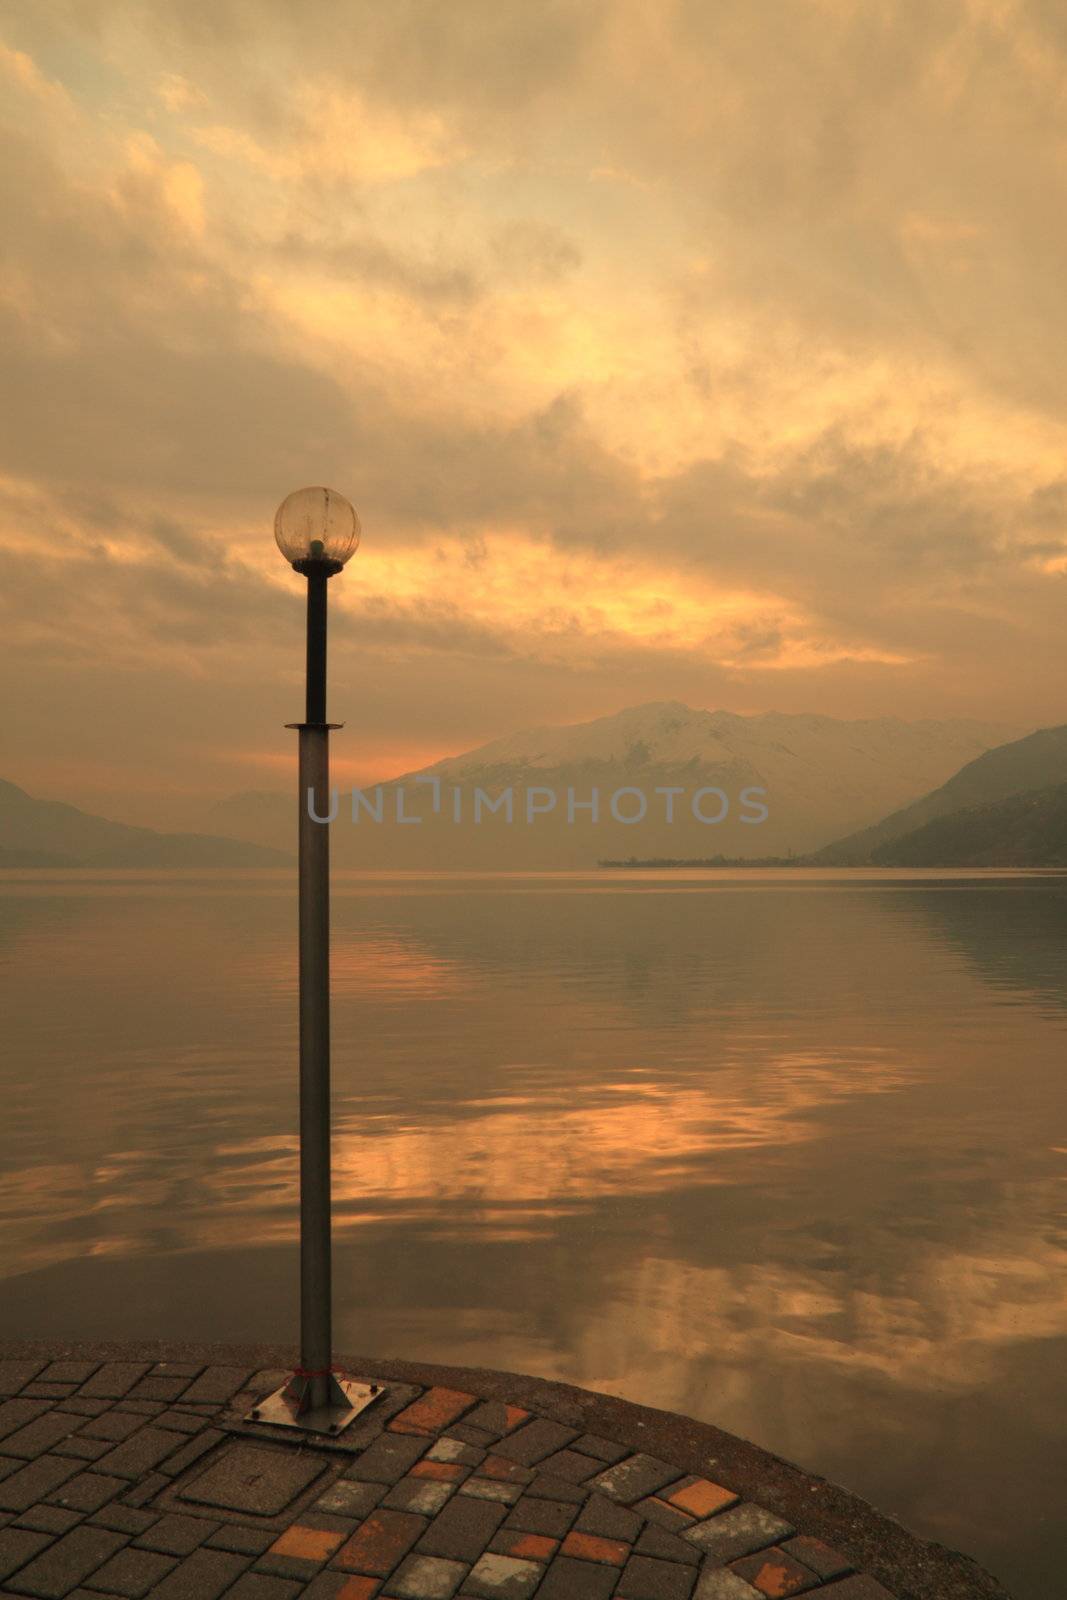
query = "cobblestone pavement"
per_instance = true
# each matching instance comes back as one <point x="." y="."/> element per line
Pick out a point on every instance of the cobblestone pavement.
<point x="134" y="1478"/>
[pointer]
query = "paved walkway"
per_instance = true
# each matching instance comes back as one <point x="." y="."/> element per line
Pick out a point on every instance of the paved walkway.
<point x="123" y="1475"/>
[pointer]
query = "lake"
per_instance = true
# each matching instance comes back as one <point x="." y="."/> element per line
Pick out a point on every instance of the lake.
<point x="785" y="1152"/>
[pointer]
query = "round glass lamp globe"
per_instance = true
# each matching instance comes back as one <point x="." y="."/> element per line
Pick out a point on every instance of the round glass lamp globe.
<point x="316" y="525"/>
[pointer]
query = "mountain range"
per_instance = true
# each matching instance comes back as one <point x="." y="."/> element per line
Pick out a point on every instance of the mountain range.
<point x="822" y="777"/>
<point x="1032" y="766"/>
<point x="832" y="790"/>
<point x="49" y="833"/>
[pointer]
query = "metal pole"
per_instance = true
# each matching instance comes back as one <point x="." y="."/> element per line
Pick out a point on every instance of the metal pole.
<point x="314" y="1398"/>
<point x="315" y="1274"/>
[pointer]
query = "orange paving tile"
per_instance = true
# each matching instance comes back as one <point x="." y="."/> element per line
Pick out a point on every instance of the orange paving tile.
<point x="500" y="1467"/>
<point x="310" y="1544"/>
<point x="444" y="1471"/>
<point x="358" y="1588"/>
<point x="432" y="1411"/>
<point x="701" y="1498"/>
<point x="530" y="1546"/>
<point x="379" y="1544"/>
<point x="515" y="1415"/>
<point x="588" y="1547"/>
<point x="776" y="1580"/>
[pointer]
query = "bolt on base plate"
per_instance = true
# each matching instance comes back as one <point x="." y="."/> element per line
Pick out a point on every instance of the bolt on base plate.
<point x="347" y="1398"/>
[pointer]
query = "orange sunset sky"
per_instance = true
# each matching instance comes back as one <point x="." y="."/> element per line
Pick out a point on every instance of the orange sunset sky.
<point x="677" y="350"/>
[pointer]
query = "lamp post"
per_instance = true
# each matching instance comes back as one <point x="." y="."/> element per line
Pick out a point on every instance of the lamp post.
<point x="317" y="532"/>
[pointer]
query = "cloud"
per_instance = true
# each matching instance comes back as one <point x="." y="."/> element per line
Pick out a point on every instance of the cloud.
<point x="706" y="347"/>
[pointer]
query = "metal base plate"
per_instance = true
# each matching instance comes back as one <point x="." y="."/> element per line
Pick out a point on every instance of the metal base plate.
<point x="281" y="1409"/>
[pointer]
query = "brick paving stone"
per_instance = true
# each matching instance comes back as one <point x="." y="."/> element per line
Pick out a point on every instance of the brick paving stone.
<point x="254" y="1479"/>
<point x="142" y="1408"/>
<point x="480" y="1437"/>
<point x="86" y="1408"/>
<point x="567" y="1579"/>
<point x="40" y="1435"/>
<point x="655" y="1541"/>
<point x="153" y="1388"/>
<point x="382" y="1541"/>
<point x="632" y="1479"/>
<point x="48" y="1519"/>
<point x="139" y="1453"/>
<point x="124" y="1519"/>
<point x="132" y="1573"/>
<point x="553" y="1517"/>
<point x="816" y="1555"/>
<point x="645" y="1578"/>
<point x="503" y="1577"/>
<point x="455" y="1451"/>
<point x="591" y="1444"/>
<point x="737" y="1532"/>
<point x="217" y="1385"/>
<point x="67" y="1371"/>
<point x="432" y="1411"/>
<point x="663" y="1515"/>
<point x="48" y="1391"/>
<point x="603" y="1516"/>
<point x="772" y="1572"/>
<point x="426" y="1578"/>
<point x="177" y="1369"/>
<point x="698" y="1497"/>
<point x="349" y="1498"/>
<point x="341" y="1586"/>
<point x="546" y="1487"/>
<point x="87" y="1492"/>
<point x="113" y="1425"/>
<point x="534" y="1441"/>
<point x="489" y="1489"/>
<point x="114" y="1379"/>
<point x="70" y="1559"/>
<point x="463" y="1529"/>
<point x="179" y="1422"/>
<point x="527" y="1546"/>
<point x="508" y="1471"/>
<point x="306" y="1543"/>
<point x="719" y="1583"/>
<point x="257" y="1586"/>
<point x="387" y="1459"/>
<point x="496" y="1417"/>
<point x="196" y="1410"/>
<point x="421" y="1495"/>
<point x="14" y="1374"/>
<point x="204" y="1575"/>
<point x="19" y="1545"/>
<point x="174" y="1535"/>
<point x="858" y="1587"/>
<point x="591" y="1547"/>
<point x="146" y="1490"/>
<point x="186" y="1454"/>
<point x="15" y="1414"/>
<point x="571" y="1465"/>
<point x="19" y="1491"/>
<point x="81" y="1449"/>
<point x="241" y="1541"/>
<point x="440" y="1471"/>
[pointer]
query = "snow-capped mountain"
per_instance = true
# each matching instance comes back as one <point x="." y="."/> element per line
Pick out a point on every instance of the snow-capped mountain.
<point x="819" y="778"/>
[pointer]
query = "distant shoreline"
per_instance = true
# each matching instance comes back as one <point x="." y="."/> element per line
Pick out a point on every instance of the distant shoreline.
<point x="662" y="862"/>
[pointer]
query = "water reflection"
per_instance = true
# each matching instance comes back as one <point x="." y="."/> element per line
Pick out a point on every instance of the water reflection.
<point x="778" y="1155"/>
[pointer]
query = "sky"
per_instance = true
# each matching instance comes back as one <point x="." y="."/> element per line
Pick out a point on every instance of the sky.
<point x="673" y="351"/>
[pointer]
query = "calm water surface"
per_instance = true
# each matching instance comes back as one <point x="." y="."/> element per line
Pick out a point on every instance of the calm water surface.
<point x="784" y="1153"/>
